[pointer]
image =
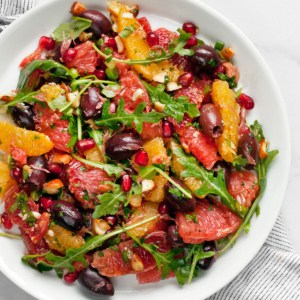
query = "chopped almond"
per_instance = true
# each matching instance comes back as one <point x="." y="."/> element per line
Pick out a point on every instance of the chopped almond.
<point x="263" y="149"/>
<point x="227" y="53"/>
<point x="53" y="187"/>
<point x="77" y="8"/>
<point x="61" y="158"/>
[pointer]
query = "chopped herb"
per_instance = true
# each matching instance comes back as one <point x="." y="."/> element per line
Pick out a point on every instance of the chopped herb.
<point x="192" y="217"/>
<point x="219" y="45"/>
<point x="231" y="80"/>
<point x="127" y="31"/>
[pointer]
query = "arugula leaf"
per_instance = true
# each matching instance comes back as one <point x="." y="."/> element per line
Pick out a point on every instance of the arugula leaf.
<point x="138" y="117"/>
<point x="73" y="130"/>
<point x="20" y="98"/>
<point x="174" y="107"/>
<point x="262" y="169"/>
<point x="110" y="168"/>
<point x="149" y="171"/>
<point x="239" y="162"/>
<point x="58" y="263"/>
<point x="58" y="102"/>
<point x="109" y="202"/>
<point x="71" y="30"/>
<point x="57" y="70"/>
<point x="256" y="129"/>
<point x="164" y="261"/>
<point x="210" y="184"/>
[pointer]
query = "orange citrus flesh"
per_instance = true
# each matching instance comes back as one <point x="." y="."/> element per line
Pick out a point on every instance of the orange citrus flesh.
<point x="224" y="99"/>
<point x="32" y="142"/>
<point x="5" y="180"/>
<point x="137" y="47"/>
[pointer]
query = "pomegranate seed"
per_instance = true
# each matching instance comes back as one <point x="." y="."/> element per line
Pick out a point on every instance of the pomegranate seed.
<point x="16" y="174"/>
<point x="45" y="202"/>
<point x="47" y="43"/>
<point x="71" y="277"/>
<point x="167" y="129"/>
<point x="55" y="168"/>
<point x="186" y="79"/>
<point x="163" y="208"/>
<point x="152" y="39"/>
<point x="100" y="74"/>
<point x="111" y="220"/>
<point x="111" y="42"/>
<point x="246" y="101"/>
<point x="190" y="27"/>
<point x="219" y="69"/>
<point x="191" y="42"/>
<point x="126" y="183"/>
<point x="6" y="221"/>
<point x="141" y="158"/>
<point x="69" y="55"/>
<point x="86" y="144"/>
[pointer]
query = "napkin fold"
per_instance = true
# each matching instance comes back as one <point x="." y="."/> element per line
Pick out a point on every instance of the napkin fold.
<point x="274" y="273"/>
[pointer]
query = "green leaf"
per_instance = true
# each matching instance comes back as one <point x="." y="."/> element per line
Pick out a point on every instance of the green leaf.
<point x="110" y="168"/>
<point x="21" y="97"/>
<point x="137" y="118"/>
<point x="109" y="202"/>
<point x="71" y="30"/>
<point x="210" y="184"/>
<point x="55" y="262"/>
<point x="127" y="31"/>
<point x="149" y="171"/>
<point x="174" y="107"/>
<point x="164" y="261"/>
<point x="73" y="130"/>
<point x="57" y="70"/>
<point x="257" y="130"/>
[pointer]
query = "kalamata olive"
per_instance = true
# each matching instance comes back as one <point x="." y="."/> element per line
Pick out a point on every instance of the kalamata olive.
<point x="38" y="173"/>
<point x="226" y="169"/>
<point x="206" y="57"/>
<point x="205" y="263"/>
<point x="248" y="147"/>
<point x="123" y="145"/>
<point x="22" y="115"/>
<point x="210" y="120"/>
<point x="67" y="215"/>
<point x="173" y="237"/>
<point x="177" y="200"/>
<point x="94" y="282"/>
<point x="91" y="104"/>
<point x="100" y="24"/>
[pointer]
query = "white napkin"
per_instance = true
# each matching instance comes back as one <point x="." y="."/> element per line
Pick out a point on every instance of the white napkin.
<point x="274" y="274"/>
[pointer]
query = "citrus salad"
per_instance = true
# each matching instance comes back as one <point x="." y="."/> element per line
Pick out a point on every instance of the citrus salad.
<point x="130" y="152"/>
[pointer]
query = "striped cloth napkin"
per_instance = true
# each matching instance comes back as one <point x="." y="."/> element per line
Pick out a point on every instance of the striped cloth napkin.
<point x="274" y="274"/>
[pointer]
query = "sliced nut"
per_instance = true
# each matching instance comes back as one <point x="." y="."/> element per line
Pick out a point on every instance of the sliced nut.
<point x="77" y="8"/>
<point x="135" y="9"/>
<point x="127" y="15"/>
<point x="147" y="185"/>
<point x="85" y="36"/>
<point x="159" y="106"/>
<point x="228" y="53"/>
<point x="160" y="77"/>
<point x="115" y="27"/>
<point x="74" y="99"/>
<point x="27" y="169"/>
<point x="36" y="214"/>
<point x="173" y="86"/>
<point x="120" y="44"/>
<point x="137" y="94"/>
<point x="100" y="226"/>
<point x="53" y="187"/>
<point x="136" y="263"/>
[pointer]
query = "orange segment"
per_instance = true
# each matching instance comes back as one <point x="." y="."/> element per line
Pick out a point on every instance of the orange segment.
<point x="5" y="180"/>
<point x="143" y="212"/>
<point x="32" y="142"/>
<point x="224" y="98"/>
<point x="137" y="47"/>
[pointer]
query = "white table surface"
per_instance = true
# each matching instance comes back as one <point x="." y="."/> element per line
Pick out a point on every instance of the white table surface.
<point x="273" y="26"/>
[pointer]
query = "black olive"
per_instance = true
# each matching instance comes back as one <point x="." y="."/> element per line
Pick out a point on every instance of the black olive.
<point x="248" y="147"/>
<point x="206" y="263"/>
<point x="123" y="145"/>
<point x="96" y="283"/>
<point x="173" y="237"/>
<point x="90" y="103"/>
<point x="23" y="115"/>
<point x="67" y="215"/>
<point x="206" y="57"/>
<point x="38" y="174"/>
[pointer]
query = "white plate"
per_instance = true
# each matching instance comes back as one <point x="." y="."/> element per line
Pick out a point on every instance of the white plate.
<point x="21" y="38"/>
